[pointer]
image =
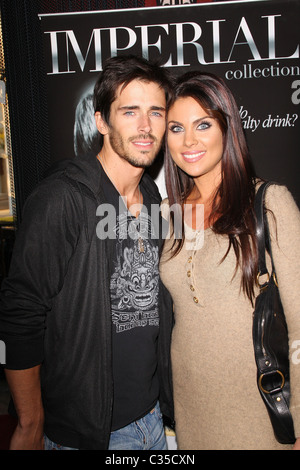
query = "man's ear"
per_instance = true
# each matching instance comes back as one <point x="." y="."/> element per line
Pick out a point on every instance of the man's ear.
<point x="100" y="123"/>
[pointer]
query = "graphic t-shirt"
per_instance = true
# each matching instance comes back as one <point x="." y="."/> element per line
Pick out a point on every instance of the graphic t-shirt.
<point x="134" y="290"/>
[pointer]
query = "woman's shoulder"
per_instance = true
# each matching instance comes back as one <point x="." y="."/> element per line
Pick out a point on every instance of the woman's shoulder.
<point x="277" y="195"/>
<point x="280" y="202"/>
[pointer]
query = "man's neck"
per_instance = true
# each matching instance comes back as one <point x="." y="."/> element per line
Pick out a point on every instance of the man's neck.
<point x="123" y="175"/>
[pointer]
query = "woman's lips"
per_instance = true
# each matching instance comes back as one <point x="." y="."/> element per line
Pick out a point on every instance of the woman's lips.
<point x="192" y="157"/>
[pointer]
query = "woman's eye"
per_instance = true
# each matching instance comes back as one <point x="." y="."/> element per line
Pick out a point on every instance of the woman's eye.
<point x="204" y="125"/>
<point x="175" y="129"/>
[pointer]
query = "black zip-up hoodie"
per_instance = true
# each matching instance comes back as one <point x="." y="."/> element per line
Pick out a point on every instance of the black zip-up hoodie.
<point x="55" y="306"/>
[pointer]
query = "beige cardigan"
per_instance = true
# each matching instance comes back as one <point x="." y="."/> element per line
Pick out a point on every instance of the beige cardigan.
<point x="217" y="403"/>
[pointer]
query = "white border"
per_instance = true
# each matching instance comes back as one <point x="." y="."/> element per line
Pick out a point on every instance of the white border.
<point x="165" y="7"/>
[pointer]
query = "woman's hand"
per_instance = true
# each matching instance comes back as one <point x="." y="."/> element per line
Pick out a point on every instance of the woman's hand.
<point x="297" y="444"/>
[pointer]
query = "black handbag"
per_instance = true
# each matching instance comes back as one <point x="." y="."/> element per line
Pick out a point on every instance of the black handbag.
<point x="270" y="335"/>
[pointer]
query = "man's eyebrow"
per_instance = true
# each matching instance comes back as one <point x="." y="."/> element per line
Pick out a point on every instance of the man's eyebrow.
<point x="158" y="108"/>
<point x="130" y="108"/>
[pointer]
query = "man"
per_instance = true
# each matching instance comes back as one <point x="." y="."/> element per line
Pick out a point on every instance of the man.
<point x="83" y="314"/>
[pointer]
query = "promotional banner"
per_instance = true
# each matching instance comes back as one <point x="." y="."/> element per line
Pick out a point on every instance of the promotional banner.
<point x="252" y="45"/>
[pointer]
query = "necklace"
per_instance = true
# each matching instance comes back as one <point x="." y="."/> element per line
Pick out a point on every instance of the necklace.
<point x="193" y="242"/>
<point x="137" y="227"/>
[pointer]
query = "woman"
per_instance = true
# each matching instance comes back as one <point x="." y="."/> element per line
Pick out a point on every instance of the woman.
<point x="210" y="271"/>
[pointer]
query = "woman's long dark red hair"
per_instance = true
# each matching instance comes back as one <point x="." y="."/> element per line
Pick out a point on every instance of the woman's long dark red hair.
<point x="232" y="209"/>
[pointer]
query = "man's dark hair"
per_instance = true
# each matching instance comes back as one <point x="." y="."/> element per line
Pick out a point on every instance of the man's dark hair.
<point x="122" y="70"/>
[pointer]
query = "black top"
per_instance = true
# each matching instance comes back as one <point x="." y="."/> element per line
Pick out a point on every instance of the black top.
<point x="134" y="289"/>
<point x="55" y="306"/>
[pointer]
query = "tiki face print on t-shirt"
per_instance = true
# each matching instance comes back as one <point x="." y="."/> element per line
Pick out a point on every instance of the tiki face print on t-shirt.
<point x="134" y="282"/>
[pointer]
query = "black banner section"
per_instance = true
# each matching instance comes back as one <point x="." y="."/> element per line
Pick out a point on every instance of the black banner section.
<point x="253" y="45"/>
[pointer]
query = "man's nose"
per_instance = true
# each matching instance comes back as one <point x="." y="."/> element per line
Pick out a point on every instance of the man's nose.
<point x="145" y="124"/>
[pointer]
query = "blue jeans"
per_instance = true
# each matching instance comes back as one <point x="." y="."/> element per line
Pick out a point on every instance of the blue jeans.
<point x="145" y="434"/>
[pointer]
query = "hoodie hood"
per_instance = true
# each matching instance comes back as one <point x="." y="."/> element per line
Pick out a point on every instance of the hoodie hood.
<point x="86" y="171"/>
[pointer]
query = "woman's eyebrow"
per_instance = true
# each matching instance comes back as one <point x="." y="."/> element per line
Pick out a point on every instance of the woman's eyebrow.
<point x="194" y="122"/>
<point x="174" y="122"/>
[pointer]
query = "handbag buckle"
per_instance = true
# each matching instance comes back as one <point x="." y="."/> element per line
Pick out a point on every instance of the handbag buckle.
<point x="269" y="374"/>
<point x="264" y="284"/>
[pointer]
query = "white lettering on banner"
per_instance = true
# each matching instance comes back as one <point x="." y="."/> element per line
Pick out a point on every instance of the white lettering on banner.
<point x="286" y="121"/>
<point x="296" y="94"/>
<point x="180" y="43"/>
<point x="279" y="121"/>
<point x="70" y="39"/>
<point x="145" y="39"/>
<point x="249" y="40"/>
<point x="114" y="41"/>
<point x="247" y="71"/>
<point x="108" y="39"/>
